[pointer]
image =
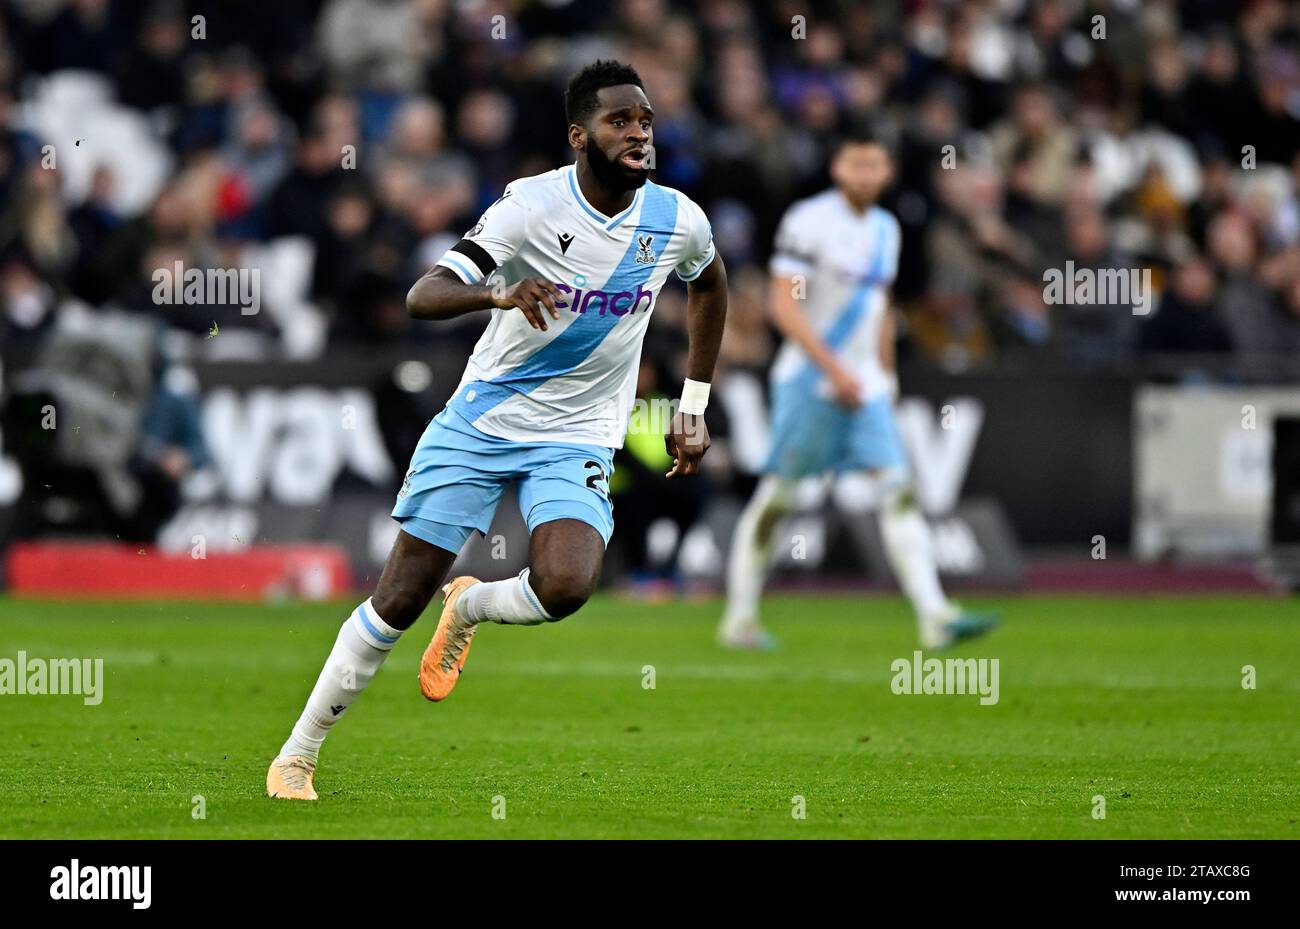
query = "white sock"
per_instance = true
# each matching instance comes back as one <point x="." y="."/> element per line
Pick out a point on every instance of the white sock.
<point x="361" y="647"/>
<point x="751" y="550"/>
<point x="511" y="601"/>
<point x="907" y="545"/>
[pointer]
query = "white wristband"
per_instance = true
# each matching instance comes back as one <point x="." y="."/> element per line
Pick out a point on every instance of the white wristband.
<point x="695" y="397"/>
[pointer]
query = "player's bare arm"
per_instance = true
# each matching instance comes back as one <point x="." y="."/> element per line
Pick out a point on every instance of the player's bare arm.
<point x="706" y="316"/>
<point x="887" y="330"/>
<point x="440" y="294"/>
<point x="790" y="320"/>
<point x="888" y="354"/>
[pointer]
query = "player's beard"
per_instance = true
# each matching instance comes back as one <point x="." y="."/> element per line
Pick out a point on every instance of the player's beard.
<point x="610" y="174"/>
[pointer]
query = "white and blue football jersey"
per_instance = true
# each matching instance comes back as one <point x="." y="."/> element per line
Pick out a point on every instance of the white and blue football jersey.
<point x="848" y="261"/>
<point x="575" y="382"/>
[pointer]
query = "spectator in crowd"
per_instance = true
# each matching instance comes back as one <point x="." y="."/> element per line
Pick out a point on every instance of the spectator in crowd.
<point x="171" y="448"/>
<point x="1248" y="307"/>
<point x="1187" y="319"/>
<point x="1102" y="332"/>
<point x="298" y="205"/>
<point x="151" y="74"/>
<point x="1034" y="140"/>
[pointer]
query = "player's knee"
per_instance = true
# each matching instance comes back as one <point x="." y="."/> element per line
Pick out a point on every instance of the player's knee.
<point x="773" y="502"/>
<point x="562" y="591"/>
<point x="770" y="516"/>
<point x="900" y="499"/>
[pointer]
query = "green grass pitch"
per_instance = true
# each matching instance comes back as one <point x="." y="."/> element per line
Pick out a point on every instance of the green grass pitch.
<point x="1139" y="700"/>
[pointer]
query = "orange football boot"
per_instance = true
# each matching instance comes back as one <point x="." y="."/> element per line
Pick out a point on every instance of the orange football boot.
<point x="289" y="778"/>
<point x="442" y="662"/>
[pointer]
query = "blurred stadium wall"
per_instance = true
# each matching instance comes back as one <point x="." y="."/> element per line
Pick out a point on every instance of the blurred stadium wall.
<point x="330" y="150"/>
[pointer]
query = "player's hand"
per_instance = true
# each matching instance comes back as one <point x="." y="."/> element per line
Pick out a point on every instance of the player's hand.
<point x="535" y="297"/>
<point x="175" y="462"/>
<point x="846" y="390"/>
<point x="687" y="441"/>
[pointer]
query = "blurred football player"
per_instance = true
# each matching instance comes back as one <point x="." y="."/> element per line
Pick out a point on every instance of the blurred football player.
<point x="833" y="389"/>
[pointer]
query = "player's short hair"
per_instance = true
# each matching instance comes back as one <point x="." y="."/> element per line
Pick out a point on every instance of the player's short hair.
<point x="862" y="136"/>
<point x="580" y="96"/>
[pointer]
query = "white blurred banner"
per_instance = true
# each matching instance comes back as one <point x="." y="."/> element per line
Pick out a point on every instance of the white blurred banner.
<point x="1203" y="478"/>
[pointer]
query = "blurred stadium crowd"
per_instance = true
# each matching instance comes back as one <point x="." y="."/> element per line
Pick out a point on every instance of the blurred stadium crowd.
<point x="1119" y="151"/>
<point x="340" y="146"/>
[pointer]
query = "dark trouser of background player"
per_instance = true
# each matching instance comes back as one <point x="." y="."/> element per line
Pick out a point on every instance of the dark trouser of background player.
<point x="641" y="498"/>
